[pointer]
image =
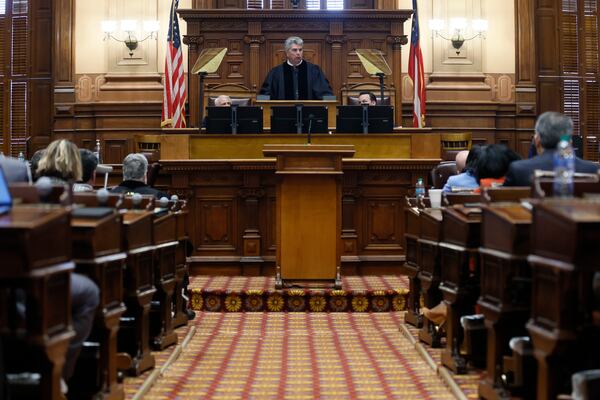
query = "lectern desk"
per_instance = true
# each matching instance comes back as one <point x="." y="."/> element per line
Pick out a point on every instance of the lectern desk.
<point x="267" y="104"/>
<point x="309" y="211"/>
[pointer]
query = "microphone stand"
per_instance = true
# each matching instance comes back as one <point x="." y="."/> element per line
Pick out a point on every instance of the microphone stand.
<point x="299" y="124"/>
<point x="233" y="122"/>
<point x="310" y="120"/>
<point x="365" y="118"/>
<point x="381" y="75"/>
<point x="201" y="75"/>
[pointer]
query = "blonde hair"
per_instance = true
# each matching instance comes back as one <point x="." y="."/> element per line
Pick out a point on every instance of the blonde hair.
<point x="62" y="160"/>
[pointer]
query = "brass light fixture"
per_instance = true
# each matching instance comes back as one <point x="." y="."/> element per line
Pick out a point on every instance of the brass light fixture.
<point x="129" y="27"/>
<point x="458" y="27"/>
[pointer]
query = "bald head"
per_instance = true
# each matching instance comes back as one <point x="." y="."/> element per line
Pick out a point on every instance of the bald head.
<point x="461" y="160"/>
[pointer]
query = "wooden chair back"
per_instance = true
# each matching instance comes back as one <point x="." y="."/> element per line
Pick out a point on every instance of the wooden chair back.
<point x="239" y="94"/>
<point x="349" y="94"/>
<point x="452" y="143"/>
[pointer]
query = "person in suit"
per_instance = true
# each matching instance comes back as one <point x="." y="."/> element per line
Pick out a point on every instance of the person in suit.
<point x="296" y="78"/>
<point x="89" y="162"/>
<point x="14" y="170"/>
<point x="493" y="163"/>
<point x="135" y="169"/>
<point x="549" y="127"/>
<point x="367" y="98"/>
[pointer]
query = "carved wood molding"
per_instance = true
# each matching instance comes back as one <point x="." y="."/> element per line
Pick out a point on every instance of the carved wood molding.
<point x="268" y="164"/>
<point x="254" y="39"/>
<point x="401" y="15"/>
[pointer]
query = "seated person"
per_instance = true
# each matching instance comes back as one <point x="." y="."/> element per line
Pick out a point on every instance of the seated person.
<point x="367" y="98"/>
<point x="35" y="161"/>
<point x="223" y="101"/>
<point x="62" y="163"/>
<point x="493" y="163"/>
<point x="135" y="169"/>
<point x="549" y="127"/>
<point x="295" y="79"/>
<point x="89" y="162"/>
<point x="14" y="169"/>
<point x="465" y="164"/>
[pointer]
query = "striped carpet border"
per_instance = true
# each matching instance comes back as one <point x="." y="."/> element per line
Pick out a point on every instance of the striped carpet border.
<point x="257" y="294"/>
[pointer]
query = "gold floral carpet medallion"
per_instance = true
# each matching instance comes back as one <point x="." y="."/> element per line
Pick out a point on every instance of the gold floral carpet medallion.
<point x="255" y="294"/>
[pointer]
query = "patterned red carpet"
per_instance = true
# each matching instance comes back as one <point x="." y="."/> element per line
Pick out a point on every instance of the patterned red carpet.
<point x="467" y="383"/>
<point x="299" y="356"/>
<point x="238" y="294"/>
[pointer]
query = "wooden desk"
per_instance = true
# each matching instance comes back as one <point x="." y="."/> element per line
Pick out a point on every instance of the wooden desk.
<point x="459" y="276"/>
<point x="430" y="271"/>
<point x="411" y="267"/>
<point x="35" y="253"/>
<point x="564" y="257"/>
<point x="134" y="335"/>
<point x="267" y="104"/>
<point x="165" y="240"/>
<point x="97" y="253"/>
<point x="505" y="287"/>
<point x="403" y="143"/>
<point x="232" y="212"/>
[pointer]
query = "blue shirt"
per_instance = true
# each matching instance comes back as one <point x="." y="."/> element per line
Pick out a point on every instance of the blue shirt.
<point x="465" y="180"/>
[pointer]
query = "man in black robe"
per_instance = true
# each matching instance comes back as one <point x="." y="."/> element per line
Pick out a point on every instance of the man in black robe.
<point x="296" y="79"/>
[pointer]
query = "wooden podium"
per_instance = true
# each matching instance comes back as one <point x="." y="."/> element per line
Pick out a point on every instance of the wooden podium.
<point x="309" y="211"/>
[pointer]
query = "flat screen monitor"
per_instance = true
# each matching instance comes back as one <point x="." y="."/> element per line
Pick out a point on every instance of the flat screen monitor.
<point x="298" y="119"/>
<point x="350" y="119"/>
<point x="234" y="119"/>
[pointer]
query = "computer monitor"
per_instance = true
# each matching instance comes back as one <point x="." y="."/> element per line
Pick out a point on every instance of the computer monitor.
<point x="234" y="119"/>
<point x="299" y="119"/>
<point x="350" y="119"/>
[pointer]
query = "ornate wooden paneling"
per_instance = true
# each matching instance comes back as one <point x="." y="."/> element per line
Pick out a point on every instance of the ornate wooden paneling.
<point x="372" y="210"/>
<point x="263" y="32"/>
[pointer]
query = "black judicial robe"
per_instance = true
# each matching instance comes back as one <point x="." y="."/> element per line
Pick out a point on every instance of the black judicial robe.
<point x="312" y="84"/>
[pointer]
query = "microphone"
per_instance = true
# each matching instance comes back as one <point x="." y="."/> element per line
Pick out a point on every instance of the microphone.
<point x="310" y="120"/>
<point x="104" y="169"/>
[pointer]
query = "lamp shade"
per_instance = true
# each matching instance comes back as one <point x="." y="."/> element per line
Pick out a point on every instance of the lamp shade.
<point x="458" y="23"/>
<point x="480" y="25"/>
<point x="151" y="26"/>
<point x="128" y="25"/>
<point x="436" y="24"/>
<point x="109" y="26"/>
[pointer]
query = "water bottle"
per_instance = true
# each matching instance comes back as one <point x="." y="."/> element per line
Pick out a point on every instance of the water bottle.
<point x="21" y="156"/>
<point x="564" y="167"/>
<point x="97" y="151"/>
<point x="420" y="188"/>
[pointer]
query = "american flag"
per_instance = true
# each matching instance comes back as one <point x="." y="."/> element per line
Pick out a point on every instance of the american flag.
<point x="415" y="71"/>
<point x="174" y="94"/>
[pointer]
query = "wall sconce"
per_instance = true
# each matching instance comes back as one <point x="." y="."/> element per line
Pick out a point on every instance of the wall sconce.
<point x="129" y="26"/>
<point x="458" y="26"/>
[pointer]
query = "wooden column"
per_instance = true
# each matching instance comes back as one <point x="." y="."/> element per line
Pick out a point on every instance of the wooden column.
<point x="397" y="38"/>
<point x="254" y="39"/>
<point x="251" y="194"/>
<point x="336" y="40"/>
<point x="194" y="48"/>
<point x="525" y="74"/>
